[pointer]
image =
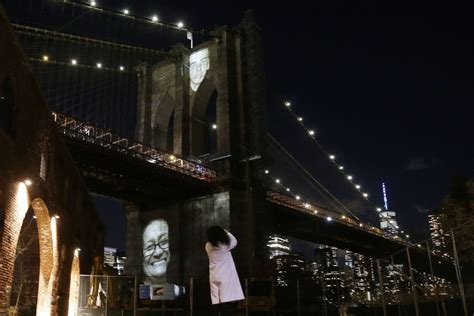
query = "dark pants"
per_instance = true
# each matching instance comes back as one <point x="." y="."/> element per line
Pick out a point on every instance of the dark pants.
<point x="223" y="309"/>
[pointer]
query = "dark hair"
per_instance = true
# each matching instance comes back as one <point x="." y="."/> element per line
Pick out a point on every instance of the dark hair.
<point x="217" y="235"/>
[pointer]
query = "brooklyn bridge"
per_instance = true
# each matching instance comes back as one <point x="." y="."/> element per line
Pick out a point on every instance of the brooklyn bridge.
<point x="180" y="134"/>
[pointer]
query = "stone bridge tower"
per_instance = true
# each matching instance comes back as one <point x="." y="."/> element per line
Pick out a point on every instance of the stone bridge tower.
<point x="174" y="97"/>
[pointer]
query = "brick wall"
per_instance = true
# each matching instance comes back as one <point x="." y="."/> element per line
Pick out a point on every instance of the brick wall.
<point x="33" y="149"/>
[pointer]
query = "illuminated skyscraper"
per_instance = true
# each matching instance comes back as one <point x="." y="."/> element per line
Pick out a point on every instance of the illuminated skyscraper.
<point x="114" y="259"/>
<point x="349" y="259"/>
<point x="328" y="269"/>
<point x="438" y="236"/>
<point x="119" y="265"/>
<point x="388" y="219"/>
<point x="109" y="256"/>
<point x="278" y="246"/>
<point x="288" y="268"/>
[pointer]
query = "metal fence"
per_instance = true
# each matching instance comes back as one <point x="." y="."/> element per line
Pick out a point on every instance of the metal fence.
<point x="431" y="277"/>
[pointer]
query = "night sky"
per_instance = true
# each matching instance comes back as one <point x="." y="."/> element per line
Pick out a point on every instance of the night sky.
<point x="388" y="88"/>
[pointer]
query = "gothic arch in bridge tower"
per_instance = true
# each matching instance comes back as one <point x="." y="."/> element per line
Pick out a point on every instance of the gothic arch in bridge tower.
<point x="199" y="125"/>
<point x="162" y="115"/>
<point x="187" y="81"/>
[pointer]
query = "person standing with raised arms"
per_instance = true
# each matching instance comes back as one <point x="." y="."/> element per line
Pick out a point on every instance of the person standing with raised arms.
<point x="223" y="278"/>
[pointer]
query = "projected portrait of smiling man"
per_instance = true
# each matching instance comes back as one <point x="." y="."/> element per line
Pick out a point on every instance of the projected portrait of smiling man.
<point x="156" y="251"/>
<point x="198" y="67"/>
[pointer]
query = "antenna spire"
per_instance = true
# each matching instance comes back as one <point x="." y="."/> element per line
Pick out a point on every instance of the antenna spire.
<point x="385" y="202"/>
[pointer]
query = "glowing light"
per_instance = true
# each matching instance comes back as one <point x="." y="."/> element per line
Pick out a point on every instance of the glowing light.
<point x="48" y="270"/>
<point x="125" y="11"/>
<point x="332" y="157"/>
<point x="172" y="158"/>
<point x="288" y="189"/>
<point x="349" y="177"/>
<point x="277" y="180"/>
<point x="379" y="209"/>
<point x="22" y="200"/>
<point x="341" y="168"/>
<point x="306" y="205"/>
<point x="300" y="119"/>
<point x="73" y="61"/>
<point x="385" y="196"/>
<point x="154" y="18"/>
<point x="365" y="195"/>
<point x="122" y="68"/>
<point x="360" y="225"/>
<point x="56" y="216"/>
<point x="74" y="285"/>
<point x="316" y="212"/>
<point x="93" y="3"/>
<point x="45" y="57"/>
<point x="311" y="132"/>
<point x="28" y="182"/>
<point x="214" y="126"/>
<point x="343" y="216"/>
<point x="266" y="171"/>
<point x="407" y="236"/>
<point x="287" y="103"/>
<point x="298" y="197"/>
<point x="99" y="65"/>
<point x="180" y="24"/>
<point x="357" y="186"/>
<point x="329" y="218"/>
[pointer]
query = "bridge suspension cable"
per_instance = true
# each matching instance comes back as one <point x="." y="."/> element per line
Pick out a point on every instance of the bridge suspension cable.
<point x="48" y="34"/>
<point x="88" y="77"/>
<point x="318" y="186"/>
<point x="127" y="14"/>
<point x="332" y="158"/>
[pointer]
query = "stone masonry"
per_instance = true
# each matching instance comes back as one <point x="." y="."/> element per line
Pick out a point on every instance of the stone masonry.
<point x="37" y="172"/>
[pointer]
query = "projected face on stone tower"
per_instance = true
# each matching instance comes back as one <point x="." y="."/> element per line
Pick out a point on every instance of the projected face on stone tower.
<point x="198" y="66"/>
<point x="156" y="253"/>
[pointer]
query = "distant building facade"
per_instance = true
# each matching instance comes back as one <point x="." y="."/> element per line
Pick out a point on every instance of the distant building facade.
<point x="439" y="237"/>
<point x="278" y="246"/>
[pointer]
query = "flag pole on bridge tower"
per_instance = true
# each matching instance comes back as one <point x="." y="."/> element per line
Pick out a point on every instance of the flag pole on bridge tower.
<point x="189" y="36"/>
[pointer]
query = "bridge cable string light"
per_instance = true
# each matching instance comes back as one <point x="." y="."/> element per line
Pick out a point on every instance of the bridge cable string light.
<point x="319" y="187"/>
<point x="331" y="157"/>
<point x="75" y="62"/>
<point x="297" y="197"/>
<point x="126" y="13"/>
<point x="311" y="132"/>
<point x="329" y="218"/>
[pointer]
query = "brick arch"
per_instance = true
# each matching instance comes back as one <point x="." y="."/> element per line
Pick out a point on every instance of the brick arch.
<point x="198" y="128"/>
<point x="16" y="206"/>
<point x="74" y="284"/>
<point x="48" y="244"/>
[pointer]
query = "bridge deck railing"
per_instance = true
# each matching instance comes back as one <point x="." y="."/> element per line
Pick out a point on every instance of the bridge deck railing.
<point x="328" y="215"/>
<point x="107" y="139"/>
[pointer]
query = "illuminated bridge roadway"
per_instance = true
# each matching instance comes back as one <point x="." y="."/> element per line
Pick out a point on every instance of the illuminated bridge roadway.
<point x="120" y="167"/>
